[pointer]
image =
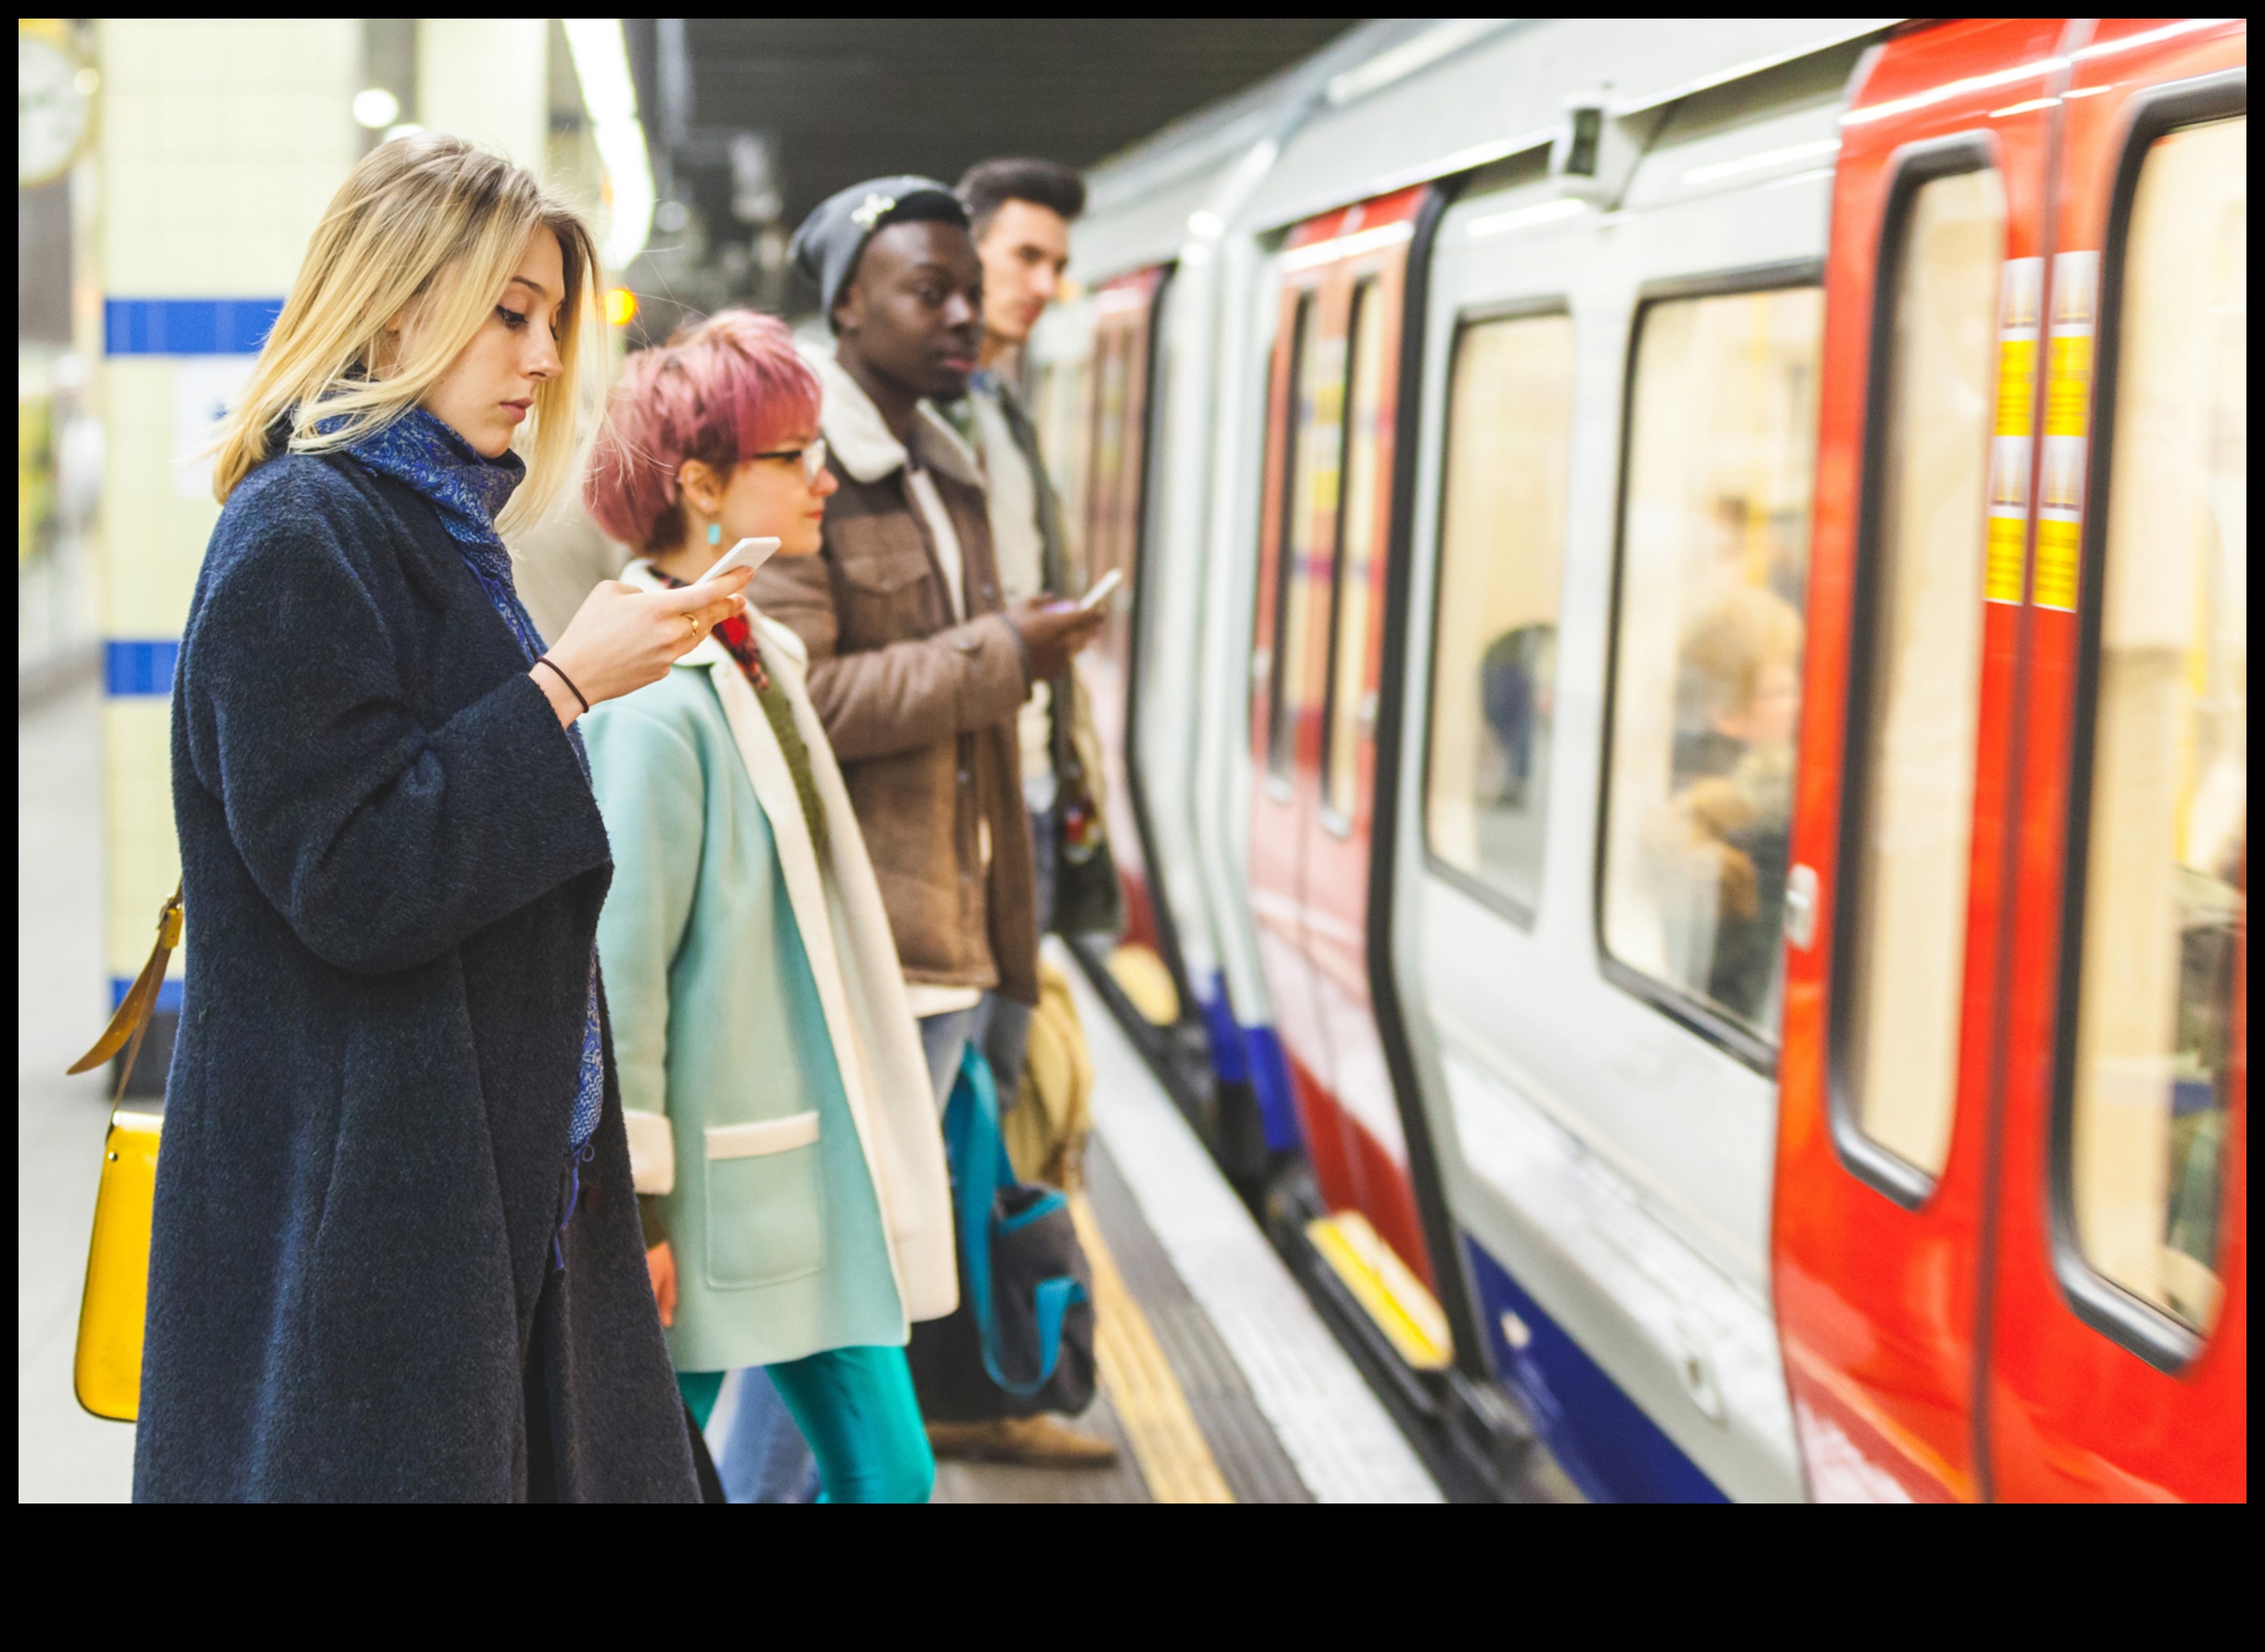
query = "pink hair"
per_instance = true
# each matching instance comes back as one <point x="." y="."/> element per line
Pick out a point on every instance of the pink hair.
<point x="718" y="391"/>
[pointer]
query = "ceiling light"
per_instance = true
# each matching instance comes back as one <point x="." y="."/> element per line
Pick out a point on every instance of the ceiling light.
<point x="601" y="64"/>
<point x="1548" y="212"/>
<point x="375" y="108"/>
<point x="1761" y="163"/>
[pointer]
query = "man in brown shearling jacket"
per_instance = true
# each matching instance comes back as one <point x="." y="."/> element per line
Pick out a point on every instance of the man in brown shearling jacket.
<point x="916" y="664"/>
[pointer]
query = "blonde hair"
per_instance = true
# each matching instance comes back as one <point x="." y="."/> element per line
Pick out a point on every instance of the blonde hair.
<point x="1726" y="651"/>
<point x="425" y="220"/>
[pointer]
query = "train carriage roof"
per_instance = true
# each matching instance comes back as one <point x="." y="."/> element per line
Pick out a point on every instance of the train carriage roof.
<point x="1139" y="200"/>
<point x="1404" y="99"/>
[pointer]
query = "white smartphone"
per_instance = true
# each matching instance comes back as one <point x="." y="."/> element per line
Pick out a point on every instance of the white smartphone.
<point x="1103" y="589"/>
<point x="749" y="554"/>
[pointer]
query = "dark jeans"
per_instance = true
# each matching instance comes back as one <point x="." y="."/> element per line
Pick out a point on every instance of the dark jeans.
<point x="999" y="1026"/>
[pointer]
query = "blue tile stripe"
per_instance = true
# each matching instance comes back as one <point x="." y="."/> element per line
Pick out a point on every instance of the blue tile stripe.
<point x="138" y="665"/>
<point x="168" y="994"/>
<point x="188" y="326"/>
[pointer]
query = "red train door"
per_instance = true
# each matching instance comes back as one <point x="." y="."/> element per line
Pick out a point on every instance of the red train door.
<point x="2119" y="1332"/>
<point x="2010" y="1235"/>
<point x="1927" y="401"/>
<point x="1115" y="495"/>
<point x="1321" y="599"/>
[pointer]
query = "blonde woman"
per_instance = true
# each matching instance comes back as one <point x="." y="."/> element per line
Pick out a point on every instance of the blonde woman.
<point x="779" y="1109"/>
<point x="396" y="1252"/>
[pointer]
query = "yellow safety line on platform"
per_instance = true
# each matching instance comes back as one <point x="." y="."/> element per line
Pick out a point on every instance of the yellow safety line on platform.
<point x="1174" y="1458"/>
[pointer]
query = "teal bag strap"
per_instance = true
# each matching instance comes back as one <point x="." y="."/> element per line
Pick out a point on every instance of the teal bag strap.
<point x="980" y="1170"/>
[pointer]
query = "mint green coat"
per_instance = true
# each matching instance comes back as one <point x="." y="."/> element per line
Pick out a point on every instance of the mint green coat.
<point x="771" y="1078"/>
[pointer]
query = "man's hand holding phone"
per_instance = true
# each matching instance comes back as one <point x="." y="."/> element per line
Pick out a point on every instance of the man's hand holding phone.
<point x="1097" y="599"/>
<point x="1052" y="631"/>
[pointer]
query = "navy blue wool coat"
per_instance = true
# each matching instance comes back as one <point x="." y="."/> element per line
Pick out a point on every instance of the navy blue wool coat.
<point x="392" y="868"/>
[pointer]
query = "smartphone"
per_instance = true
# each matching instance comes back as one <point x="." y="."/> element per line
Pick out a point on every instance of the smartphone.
<point x="749" y="554"/>
<point x="1103" y="589"/>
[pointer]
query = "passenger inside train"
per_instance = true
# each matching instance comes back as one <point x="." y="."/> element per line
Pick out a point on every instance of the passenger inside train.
<point x="1720" y="842"/>
<point x="1632" y="887"/>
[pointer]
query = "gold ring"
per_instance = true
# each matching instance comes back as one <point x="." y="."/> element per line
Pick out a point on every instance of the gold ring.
<point x="695" y="624"/>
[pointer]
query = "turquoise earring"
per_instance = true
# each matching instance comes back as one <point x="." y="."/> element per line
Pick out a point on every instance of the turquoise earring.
<point x="715" y="533"/>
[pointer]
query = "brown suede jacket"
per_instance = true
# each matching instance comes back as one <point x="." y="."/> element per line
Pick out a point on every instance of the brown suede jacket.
<point x="920" y="708"/>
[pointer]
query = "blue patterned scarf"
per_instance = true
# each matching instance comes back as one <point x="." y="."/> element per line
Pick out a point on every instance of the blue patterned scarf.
<point x="468" y="490"/>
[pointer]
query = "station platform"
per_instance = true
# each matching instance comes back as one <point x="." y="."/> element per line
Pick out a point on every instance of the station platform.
<point x="1220" y="1383"/>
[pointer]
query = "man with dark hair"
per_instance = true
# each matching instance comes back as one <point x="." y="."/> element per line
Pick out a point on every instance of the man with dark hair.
<point x="1020" y="211"/>
<point x="919" y="660"/>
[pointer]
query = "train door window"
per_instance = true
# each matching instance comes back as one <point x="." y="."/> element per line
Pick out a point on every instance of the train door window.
<point x="1707" y="648"/>
<point x="1502" y="549"/>
<point x="1347" y="707"/>
<point x="1113" y="483"/>
<point x="2164" y="861"/>
<point x="1063" y="415"/>
<point x="1309" y="495"/>
<point x="1908" y="820"/>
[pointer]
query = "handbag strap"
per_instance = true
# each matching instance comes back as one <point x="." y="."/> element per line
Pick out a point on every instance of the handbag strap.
<point x="981" y="1169"/>
<point x="130" y="1020"/>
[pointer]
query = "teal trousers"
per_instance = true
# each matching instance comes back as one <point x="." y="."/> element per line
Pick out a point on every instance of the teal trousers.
<point x="856" y="1407"/>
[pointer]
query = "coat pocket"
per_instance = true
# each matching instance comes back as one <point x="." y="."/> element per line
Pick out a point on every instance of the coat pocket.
<point x="766" y="1202"/>
<point x="885" y="596"/>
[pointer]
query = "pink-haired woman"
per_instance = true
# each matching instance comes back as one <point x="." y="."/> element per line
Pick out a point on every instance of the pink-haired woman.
<point x="782" y="1125"/>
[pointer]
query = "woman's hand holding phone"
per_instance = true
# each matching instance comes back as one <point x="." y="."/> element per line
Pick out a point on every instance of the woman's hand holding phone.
<point x="749" y="554"/>
<point x="622" y="639"/>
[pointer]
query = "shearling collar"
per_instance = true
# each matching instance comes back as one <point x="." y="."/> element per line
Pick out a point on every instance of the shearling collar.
<point x="855" y="429"/>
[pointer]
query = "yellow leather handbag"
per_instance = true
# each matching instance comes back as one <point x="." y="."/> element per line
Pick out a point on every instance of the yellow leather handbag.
<point x="106" y="1372"/>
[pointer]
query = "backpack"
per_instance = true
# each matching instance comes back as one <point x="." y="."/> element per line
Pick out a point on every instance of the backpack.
<point x="1021" y="1340"/>
<point x="1045" y="1129"/>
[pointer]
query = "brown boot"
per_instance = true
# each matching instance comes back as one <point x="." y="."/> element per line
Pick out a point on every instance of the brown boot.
<point x="1036" y="1442"/>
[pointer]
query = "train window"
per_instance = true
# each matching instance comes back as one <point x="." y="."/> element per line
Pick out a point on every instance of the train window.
<point x="1112" y="499"/>
<point x="1502" y="547"/>
<point x="2159" y="1034"/>
<point x="1309" y="498"/>
<point x="1909" y="812"/>
<point x="1707" y="647"/>
<point x="1348" y="712"/>
<point x="1061" y="412"/>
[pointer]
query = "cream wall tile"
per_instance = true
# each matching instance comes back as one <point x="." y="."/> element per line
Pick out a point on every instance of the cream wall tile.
<point x="222" y="143"/>
<point x="145" y="861"/>
<point x="133" y="59"/>
<point x="197" y="52"/>
<point x="487" y="79"/>
<point x="153" y="540"/>
<point x="253" y="124"/>
<point x="129" y="123"/>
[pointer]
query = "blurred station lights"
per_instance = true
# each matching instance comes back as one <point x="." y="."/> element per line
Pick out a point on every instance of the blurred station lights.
<point x="376" y="109"/>
<point x="602" y="63"/>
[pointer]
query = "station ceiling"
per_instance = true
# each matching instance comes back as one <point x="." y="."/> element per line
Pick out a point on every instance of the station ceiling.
<point x="837" y="99"/>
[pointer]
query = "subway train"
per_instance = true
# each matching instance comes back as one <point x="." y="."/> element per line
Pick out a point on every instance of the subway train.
<point x="1678" y="754"/>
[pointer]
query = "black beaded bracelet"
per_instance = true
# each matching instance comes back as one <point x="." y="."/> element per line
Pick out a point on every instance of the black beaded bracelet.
<point x="545" y="660"/>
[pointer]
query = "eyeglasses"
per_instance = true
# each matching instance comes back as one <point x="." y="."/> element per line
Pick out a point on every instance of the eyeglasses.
<point x="811" y="458"/>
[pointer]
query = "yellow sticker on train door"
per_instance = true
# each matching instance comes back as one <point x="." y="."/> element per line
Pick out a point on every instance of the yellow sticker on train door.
<point x="2067" y="435"/>
<point x="2020" y="305"/>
